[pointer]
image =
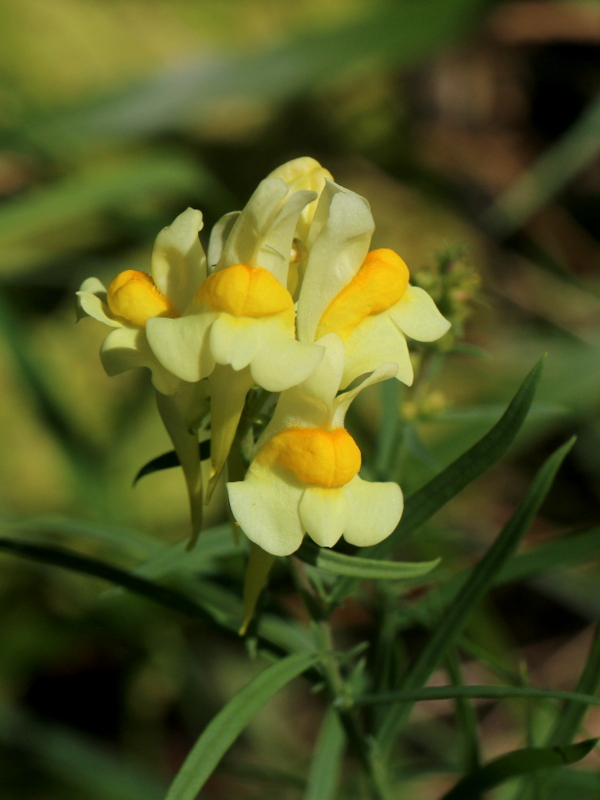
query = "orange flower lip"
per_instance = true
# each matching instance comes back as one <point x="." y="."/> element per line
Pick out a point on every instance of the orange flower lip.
<point x="317" y="457"/>
<point x="133" y="295"/>
<point x="244" y="291"/>
<point x="378" y="285"/>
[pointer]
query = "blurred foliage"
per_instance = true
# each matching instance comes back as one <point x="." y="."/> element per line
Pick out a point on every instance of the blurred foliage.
<point x="473" y="130"/>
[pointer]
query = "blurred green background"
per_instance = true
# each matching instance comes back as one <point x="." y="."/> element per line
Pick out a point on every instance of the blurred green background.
<point x="474" y="130"/>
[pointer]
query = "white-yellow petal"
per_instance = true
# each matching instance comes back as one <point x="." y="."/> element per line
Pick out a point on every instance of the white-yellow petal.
<point x="91" y="302"/>
<point x="281" y="361"/>
<point x="335" y="256"/>
<point x="126" y="348"/>
<point x="218" y="236"/>
<point x="418" y="316"/>
<point x="374" y="511"/>
<point x="377" y="339"/>
<point x="324" y="514"/>
<point x="182" y="345"/>
<point x="266" y="506"/>
<point x="234" y="340"/>
<point x="342" y="401"/>
<point x="178" y="260"/>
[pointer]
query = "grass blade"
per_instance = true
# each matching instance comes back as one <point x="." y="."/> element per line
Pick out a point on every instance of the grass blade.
<point x="362" y="568"/>
<point x="224" y="729"/>
<point x="326" y="764"/>
<point x="512" y="765"/>
<point x="474" y="692"/>
<point x="481" y="579"/>
<point x="424" y="503"/>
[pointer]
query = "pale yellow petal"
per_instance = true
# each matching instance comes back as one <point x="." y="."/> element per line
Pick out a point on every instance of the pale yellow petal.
<point x="335" y="256"/>
<point x="342" y="401"/>
<point x="234" y="340"/>
<point x="374" y="511"/>
<point x="375" y="341"/>
<point x="266" y="507"/>
<point x="127" y="348"/>
<point x="178" y="260"/>
<point x="91" y="302"/>
<point x="182" y="345"/>
<point x="324" y="514"/>
<point x="418" y="316"/>
<point x="218" y="236"/>
<point x="281" y="361"/>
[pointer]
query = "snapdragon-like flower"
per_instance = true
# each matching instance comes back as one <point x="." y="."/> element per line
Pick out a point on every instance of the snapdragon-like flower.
<point x="239" y="328"/>
<point x="178" y="267"/>
<point x="304" y="475"/>
<point x="364" y="297"/>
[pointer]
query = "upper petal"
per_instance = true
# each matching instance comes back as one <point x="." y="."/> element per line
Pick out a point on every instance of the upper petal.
<point x="346" y="227"/>
<point x="263" y="233"/>
<point x="182" y="345"/>
<point x="374" y="510"/>
<point x="342" y="401"/>
<point x="218" y="236"/>
<point x="418" y="316"/>
<point x="266" y="506"/>
<point x="178" y="260"/>
<point x="126" y="348"/>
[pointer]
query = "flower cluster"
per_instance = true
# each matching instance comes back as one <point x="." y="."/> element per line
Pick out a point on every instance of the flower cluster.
<point x="289" y="298"/>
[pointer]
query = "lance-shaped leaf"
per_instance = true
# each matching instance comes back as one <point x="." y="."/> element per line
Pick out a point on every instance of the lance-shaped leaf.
<point x="515" y="764"/>
<point x="224" y="729"/>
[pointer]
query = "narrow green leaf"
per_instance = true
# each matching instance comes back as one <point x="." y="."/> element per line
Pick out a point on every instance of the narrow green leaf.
<point x="75" y="562"/>
<point x="223" y="730"/>
<point x="326" y="764"/>
<point x="475" y="692"/>
<point x="481" y="579"/>
<point x="434" y="495"/>
<point x="570" y="717"/>
<point x="512" y="765"/>
<point x="169" y="460"/>
<point x="558" y="165"/>
<point x="164" y="461"/>
<point x="364" y="568"/>
<point x="178" y="560"/>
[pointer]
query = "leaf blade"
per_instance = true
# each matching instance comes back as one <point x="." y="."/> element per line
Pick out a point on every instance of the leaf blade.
<point x="226" y="726"/>
<point x="363" y="568"/>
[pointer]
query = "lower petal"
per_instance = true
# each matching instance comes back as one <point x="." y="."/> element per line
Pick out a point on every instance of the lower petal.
<point x="266" y="507"/>
<point x="233" y="341"/>
<point x="182" y="345"/>
<point x="374" y="510"/>
<point x="374" y="342"/>
<point x="91" y="301"/>
<point x="324" y="514"/>
<point x="126" y="348"/>
<point x="281" y="361"/>
<point x="418" y="316"/>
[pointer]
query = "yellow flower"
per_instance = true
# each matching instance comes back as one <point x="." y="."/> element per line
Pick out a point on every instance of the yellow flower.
<point x="365" y="298"/>
<point x="178" y="268"/>
<point x="133" y="299"/>
<point x="239" y="328"/>
<point x="304" y="475"/>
